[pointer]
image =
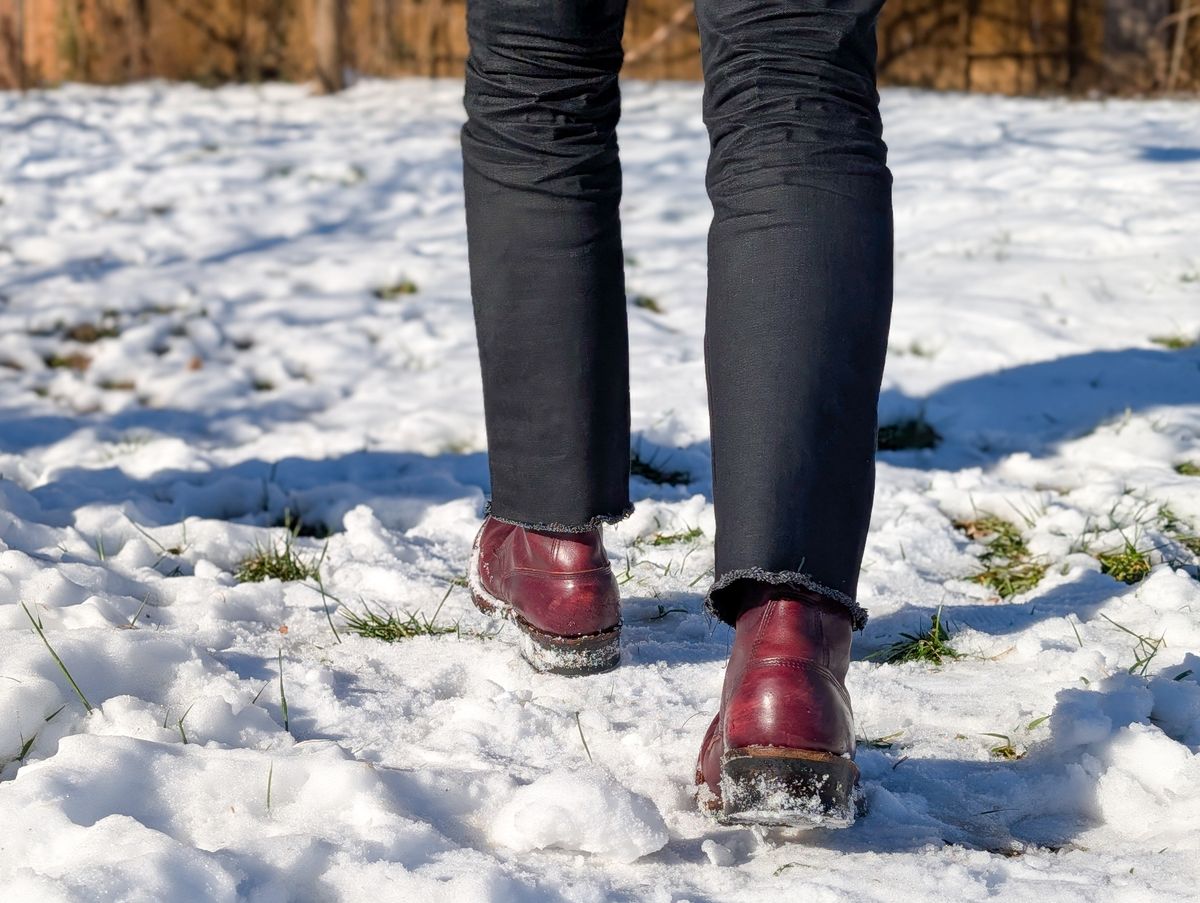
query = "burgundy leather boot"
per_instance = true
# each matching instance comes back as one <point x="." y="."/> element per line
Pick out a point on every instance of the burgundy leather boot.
<point x="781" y="749"/>
<point x="557" y="587"/>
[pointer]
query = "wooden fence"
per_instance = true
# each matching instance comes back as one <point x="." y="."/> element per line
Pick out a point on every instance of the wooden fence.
<point x="1011" y="46"/>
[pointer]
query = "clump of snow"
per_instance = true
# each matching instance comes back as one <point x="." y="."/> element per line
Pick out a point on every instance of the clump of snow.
<point x="717" y="853"/>
<point x="1148" y="789"/>
<point x="1086" y="716"/>
<point x="584" y="809"/>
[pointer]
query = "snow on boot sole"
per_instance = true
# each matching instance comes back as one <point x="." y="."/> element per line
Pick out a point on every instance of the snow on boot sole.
<point x="764" y="785"/>
<point x="545" y="652"/>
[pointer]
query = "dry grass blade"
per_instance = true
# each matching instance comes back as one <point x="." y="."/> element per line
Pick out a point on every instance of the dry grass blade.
<point x="280" y="562"/>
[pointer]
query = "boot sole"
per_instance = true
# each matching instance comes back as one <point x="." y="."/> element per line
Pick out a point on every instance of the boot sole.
<point x="796" y="788"/>
<point x="545" y="652"/>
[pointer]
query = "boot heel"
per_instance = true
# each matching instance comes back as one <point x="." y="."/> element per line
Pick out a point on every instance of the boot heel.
<point x="570" y="656"/>
<point x="797" y="788"/>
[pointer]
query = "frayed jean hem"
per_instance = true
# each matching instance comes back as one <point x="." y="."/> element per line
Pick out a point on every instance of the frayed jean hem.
<point x="556" y="527"/>
<point x="798" y="579"/>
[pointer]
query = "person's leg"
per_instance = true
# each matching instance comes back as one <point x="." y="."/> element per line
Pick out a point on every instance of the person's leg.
<point x="543" y="185"/>
<point x="800" y="289"/>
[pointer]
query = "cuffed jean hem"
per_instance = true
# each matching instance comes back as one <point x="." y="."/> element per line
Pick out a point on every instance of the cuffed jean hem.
<point x="555" y="527"/>
<point x="797" y="579"/>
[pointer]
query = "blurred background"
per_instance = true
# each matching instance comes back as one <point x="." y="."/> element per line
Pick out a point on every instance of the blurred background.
<point x="1117" y="47"/>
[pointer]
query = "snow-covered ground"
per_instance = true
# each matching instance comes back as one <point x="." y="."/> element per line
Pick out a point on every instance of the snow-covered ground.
<point x="218" y="307"/>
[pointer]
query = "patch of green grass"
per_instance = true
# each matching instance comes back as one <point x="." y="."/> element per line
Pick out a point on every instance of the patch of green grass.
<point x="645" y="302"/>
<point x="1128" y="564"/>
<point x="670" y="539"/>
<point x="649" y="469"/>
<point x="1175" y="342"/>
<point x="1189" y="542"/>
<point x="1178" y="531"/>
<point x="391" y="628"/>
<point x="400" y="287"/>
<point x="932" y="646"/>
<point x="74" y="360"/>
<point x="87" y="333"/>
<point x="279" y="561"/>
<point x="117" y="385"/>
<point x="1003" y="538"/>
<point x="1007" y="566"/>
<point x="908" y="434"/>
<point x="1009" y="579"/>
<point x="1188" y="469"/>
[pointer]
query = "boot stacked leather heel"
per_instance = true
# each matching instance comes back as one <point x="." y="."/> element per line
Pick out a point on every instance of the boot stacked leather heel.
<point x="796" y="787"/>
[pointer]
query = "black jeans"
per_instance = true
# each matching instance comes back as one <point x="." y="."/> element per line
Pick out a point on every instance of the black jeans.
<point x="800" y="275"/>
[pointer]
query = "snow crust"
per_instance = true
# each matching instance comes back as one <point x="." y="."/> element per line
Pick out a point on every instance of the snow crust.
<point x="208" y="322"/>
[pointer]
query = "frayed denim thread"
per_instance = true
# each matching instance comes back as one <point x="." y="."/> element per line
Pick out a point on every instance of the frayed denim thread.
<point x="556" y="527"/>
<point x="858" y="614"/>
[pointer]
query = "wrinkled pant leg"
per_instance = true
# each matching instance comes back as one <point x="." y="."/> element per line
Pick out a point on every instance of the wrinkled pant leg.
<point x="543" y="187"/>
<point x="800" y="288"/>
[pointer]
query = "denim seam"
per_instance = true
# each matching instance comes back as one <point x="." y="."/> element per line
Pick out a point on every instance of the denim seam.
<point x="858" y="614"/>
<point x="555" y="526"/>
